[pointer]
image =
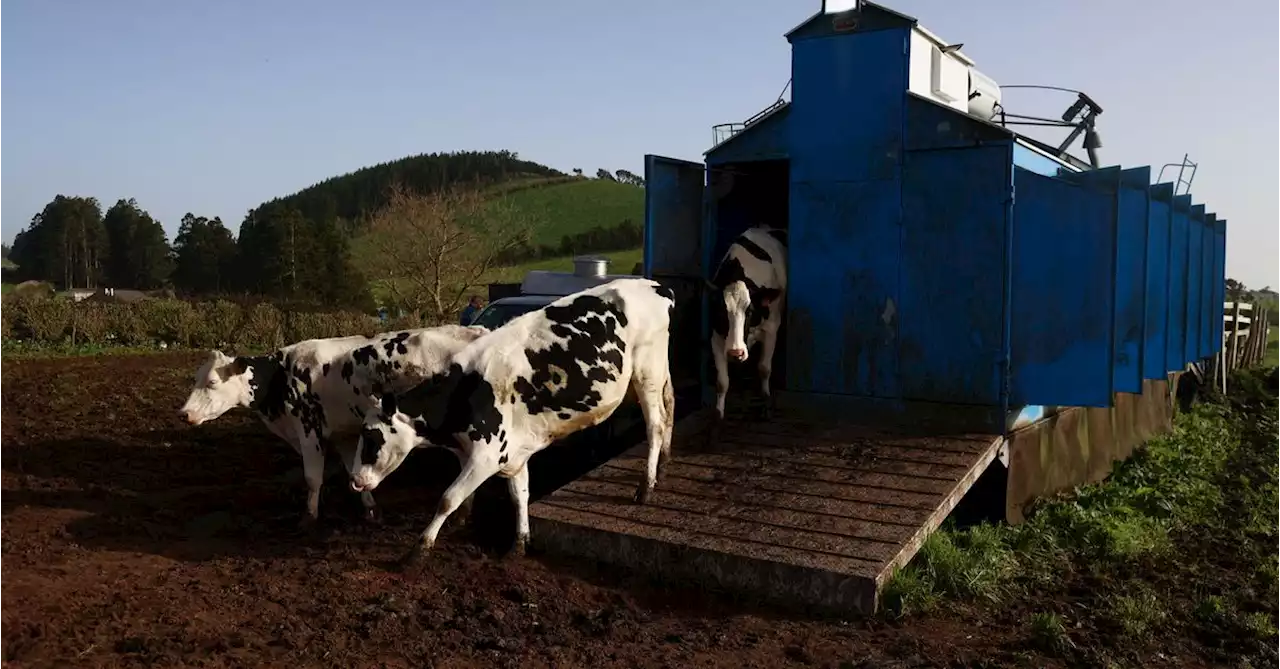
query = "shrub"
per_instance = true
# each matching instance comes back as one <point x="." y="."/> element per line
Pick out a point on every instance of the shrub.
<point x="40" y="321"/>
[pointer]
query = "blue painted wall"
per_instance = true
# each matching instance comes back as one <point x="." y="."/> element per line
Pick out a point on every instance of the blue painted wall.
<point x="1220" y="279"/>
<point x="951" y="337"/>
<point x="1195" y="283"/>
<point x="1175" y="353"/>
<point x="1063" y="292"/>
<point x="845" y="131"/>
<point x="1159" y="220"/>
<point x="1132" y="213"/>
<point x="1204" y="347"/>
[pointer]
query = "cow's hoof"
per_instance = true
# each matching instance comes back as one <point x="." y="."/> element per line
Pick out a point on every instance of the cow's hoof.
<point x="520" y="547"/>
<point x="642" y="495"/>
<point x="373" y="516"/>
<point x="766" y="411"/>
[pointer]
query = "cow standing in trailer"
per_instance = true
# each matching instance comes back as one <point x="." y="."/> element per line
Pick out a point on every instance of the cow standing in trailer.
<point x="309" y="392"/>
<point x="539" y="378"/>
<point x="747" y="303"/>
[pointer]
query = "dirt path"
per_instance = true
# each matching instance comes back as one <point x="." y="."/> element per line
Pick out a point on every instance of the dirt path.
<point x="130" y="538"/>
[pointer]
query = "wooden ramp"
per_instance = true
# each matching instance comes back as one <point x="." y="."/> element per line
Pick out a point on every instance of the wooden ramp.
<point x="817" y="516"/>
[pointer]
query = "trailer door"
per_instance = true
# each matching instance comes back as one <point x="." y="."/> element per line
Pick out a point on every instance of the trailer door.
<point x="673" y="254"/>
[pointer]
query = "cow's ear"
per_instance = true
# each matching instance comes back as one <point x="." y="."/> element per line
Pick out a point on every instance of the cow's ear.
<point x="768" y="295"/>
<point x="239" y="365"/>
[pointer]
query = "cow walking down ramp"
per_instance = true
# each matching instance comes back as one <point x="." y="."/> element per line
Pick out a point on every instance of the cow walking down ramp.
<point x="541" y="377"/>
<point x="316" y="392"/>
<point x="746" y="305"/>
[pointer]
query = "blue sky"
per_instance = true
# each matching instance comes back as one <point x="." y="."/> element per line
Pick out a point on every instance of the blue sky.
<point x="216" y="107"/>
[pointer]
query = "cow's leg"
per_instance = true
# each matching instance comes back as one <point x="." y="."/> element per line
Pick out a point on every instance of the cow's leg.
<point x="474" y="472"/>
<point x="769" y="341"/>
<point x="722" y="387"/>
<point x="313" y="471"/>
<point x="668" y="422"/>
<point x="346" y="449"/>
<point x="518" y="486"/>
<point x="722" y="373"/>
<point x="649" y="382"/>
<point x="463" y="515"/>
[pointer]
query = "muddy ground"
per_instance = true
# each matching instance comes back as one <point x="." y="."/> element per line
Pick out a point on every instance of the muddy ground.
<point x="130" y="538"/>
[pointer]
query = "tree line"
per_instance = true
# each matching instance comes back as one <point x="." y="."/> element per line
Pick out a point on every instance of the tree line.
<point x="296" y="248"/>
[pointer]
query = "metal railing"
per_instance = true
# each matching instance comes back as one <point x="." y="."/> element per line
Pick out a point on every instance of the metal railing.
<point x="725" y="131"/>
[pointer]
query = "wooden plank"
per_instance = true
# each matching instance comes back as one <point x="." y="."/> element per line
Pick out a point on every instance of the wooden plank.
<point x="704" y="541"/>
<point x="849" y="491"/>
<point x="617" y="494"/>
<point x="788" y="499"/>
<point x="875" y="451"/>
<point x="841" y="507"/>
<point x="726" y="528"/>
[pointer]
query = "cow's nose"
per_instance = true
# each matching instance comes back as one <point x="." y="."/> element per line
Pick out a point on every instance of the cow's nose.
<point x="738" y="354"/>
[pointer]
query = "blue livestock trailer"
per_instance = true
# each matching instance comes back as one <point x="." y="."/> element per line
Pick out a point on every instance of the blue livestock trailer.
<point x="938" y="257"/>
<point x="962" y="300"/>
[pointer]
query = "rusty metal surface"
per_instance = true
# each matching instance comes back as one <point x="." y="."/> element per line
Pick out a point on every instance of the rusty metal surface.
<point x="1079" y="445"/>
<point x="834" y="502"/>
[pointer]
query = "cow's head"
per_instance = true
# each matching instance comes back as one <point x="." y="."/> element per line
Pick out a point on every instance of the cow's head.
<point x="222" y="383"/>
<point x="745" y="305"/>
<point x="452" y="409"/>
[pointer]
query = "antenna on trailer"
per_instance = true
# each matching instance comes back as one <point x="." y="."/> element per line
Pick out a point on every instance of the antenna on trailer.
<point x="1081" y="117"/>
<point x="1083" y="112"/>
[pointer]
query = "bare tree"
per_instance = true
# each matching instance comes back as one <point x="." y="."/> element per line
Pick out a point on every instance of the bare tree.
<point x="430" y="250"/>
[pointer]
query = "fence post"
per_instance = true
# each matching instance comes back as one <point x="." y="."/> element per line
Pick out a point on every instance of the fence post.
<point x="1262" y="334"/>
<point x="1253" y="337"/>
<point x="1233" y="357"/>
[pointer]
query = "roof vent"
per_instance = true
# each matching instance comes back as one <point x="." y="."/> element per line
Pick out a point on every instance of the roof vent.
<point x="590" y="267"/>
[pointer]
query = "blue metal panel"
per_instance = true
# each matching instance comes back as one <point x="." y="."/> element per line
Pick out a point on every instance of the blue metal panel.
<point x="954" y="238"/>
<point x="1219" y="280"/>
<point x="842" y="290"/>
<point x="1131" y="278"/>
<point x="1159" y="218"/>
<point x="1063" y="292"/>
<point x="932" y="125"/>
<point x="848" y="93"/>
<point x="1214" y="306"/>
<point x="673" y="204"/>
<point x="1175" y="356"/>
<point x="1195" y="283"/>
<point x="1204" y="343"/>
<point x="765" y="140"/>
<point x="1126" y="319"/>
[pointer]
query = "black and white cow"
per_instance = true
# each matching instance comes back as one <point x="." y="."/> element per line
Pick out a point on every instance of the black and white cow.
<point x="747" y="304"/>
<point x="541" y="377"/>
<point x="309" y="392"/>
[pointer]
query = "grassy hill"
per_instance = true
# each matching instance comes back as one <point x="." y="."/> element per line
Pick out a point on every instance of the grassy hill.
<point x="568" y="207"/>
<point x="599" y="216"/>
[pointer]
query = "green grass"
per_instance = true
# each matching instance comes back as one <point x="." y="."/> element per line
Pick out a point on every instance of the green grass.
<point x="569" y="207"/>
<point x="1191" y="513"/>
<point x="13" y="349"/>
<point x="1272" y="357"/>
